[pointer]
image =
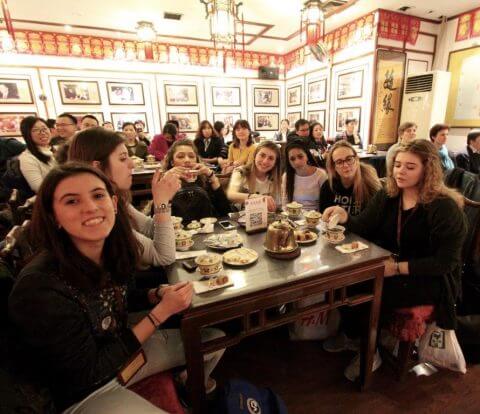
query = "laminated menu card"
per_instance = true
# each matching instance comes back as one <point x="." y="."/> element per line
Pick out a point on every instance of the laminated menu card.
<point x="256" y="214"/>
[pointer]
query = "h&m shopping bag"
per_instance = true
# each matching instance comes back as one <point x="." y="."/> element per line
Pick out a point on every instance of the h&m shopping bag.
<point x="441" y="348"/>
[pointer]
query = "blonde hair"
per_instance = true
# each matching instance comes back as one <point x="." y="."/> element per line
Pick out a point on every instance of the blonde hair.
<point x="431" y="185"/>
<point x="274" y="174"/>
<point x="365" y="182"/>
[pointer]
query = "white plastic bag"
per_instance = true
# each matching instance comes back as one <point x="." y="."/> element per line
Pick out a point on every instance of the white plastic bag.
<point x="318" y="325"/>
<point x="441" y="348"/>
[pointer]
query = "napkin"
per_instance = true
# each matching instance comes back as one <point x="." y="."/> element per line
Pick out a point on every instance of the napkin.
<point x="189" y="254"/>
<point x="345" y="248"/>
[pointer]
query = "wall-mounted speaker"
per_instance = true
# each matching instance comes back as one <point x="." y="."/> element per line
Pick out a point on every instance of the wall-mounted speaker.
<point x="267" y="72"/>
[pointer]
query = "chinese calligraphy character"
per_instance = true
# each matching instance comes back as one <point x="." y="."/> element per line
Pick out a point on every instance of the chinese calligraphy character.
<point x="388" y="82"/>
<point x="387" y="103"/>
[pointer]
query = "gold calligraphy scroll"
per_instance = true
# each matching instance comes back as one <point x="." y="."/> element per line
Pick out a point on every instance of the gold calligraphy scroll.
<point x="389" y="88"/>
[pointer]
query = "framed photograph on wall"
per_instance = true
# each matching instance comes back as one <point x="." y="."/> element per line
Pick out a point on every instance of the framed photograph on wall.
<point x="347" y="113"/>
<point x="119" y="118"/>
<point x="225" y="96"/>
<point x="122" y="93"/>
<point x="463" y="107"/>
<point x="15" y="91"/>
<point x="293" y="117"/>
<point x="266" y="122"/>
<point x="317" y="91"/>
<point x="227" y="119"/>
<point x="266" y="96"/>
<point x="317" y="116"/>
<point x="79" y="92"/>
<point x="188" y="122"/>
<point x="294" y="96"/>
<point x="80" y="115"/>
<point x="10" y="123"/>
<point x="181" y="95"/>
<point x="350" y="85"/>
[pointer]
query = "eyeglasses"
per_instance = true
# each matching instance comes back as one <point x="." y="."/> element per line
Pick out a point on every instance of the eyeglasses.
<point x="40" y="130"/>
<point x="348" y="161"/>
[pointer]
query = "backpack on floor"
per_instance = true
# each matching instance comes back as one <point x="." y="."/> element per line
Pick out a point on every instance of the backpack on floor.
<point x="242" y="397"/>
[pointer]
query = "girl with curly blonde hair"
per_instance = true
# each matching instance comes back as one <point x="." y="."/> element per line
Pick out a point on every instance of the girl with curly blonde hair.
<point x="421" y="221"/>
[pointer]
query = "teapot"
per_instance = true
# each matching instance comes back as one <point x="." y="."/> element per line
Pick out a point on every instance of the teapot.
<point x="280" y="237"/>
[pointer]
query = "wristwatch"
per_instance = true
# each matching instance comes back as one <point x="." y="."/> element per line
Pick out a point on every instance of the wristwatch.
<point x="162" y="208"/>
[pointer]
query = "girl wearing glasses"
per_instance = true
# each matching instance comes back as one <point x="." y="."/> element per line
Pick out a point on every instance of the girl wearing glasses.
<point x="421" y="220"/>
<point x="37" y="160"/>
<point x="302" y="179"/>
<point x="350" y="184"/>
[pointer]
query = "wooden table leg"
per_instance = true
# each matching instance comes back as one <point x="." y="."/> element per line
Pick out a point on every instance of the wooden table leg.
<point x="368" y="348"/>
<point x="194" y="359"/>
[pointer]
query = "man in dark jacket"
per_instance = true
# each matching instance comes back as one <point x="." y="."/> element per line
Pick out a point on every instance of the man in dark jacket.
<point x="469" y="159"/>
<point x="9" y="148"/>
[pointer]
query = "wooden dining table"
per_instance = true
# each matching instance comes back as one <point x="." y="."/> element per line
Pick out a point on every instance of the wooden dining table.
<point x="261" y="288"/>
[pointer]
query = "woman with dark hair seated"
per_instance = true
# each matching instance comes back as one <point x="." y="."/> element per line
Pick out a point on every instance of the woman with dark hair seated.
<point x="37" y="160"/>
<point x="209" y="146"/>
<point x="106" y="150"/>
<point x="240" y="151"/>
<point x="161" y="143"/>
<point x="70" y="304"/>
<point x="318" y="144"/>
<point x="421" y="220"/>
<point x="302" y="179"/>
<point x="135" y="147"/>
<point x="182" y="159"/>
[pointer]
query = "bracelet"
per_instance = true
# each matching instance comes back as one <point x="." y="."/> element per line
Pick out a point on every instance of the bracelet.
<point x="397" y="268"/>
<point x="162" y="209"/>
<point x="152" y="315"/>
<point x="152" y="320"/>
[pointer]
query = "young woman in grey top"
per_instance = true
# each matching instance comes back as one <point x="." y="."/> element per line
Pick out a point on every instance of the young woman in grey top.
<point x="106" y="150"/>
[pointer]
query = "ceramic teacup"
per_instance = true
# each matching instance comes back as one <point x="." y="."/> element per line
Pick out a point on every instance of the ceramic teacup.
<point x="336" y="233"/>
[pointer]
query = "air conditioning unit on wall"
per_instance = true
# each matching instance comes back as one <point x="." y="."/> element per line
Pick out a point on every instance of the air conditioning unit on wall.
<point x="425" y="100"/>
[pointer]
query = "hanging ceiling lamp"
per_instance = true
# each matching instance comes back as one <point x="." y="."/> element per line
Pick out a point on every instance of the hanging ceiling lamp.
<point x="313" y="21"/>
<point x="146" y="31"/>
<point x="223" y="16"/>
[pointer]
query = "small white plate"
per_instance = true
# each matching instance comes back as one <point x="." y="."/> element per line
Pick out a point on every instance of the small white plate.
<point x="310" y="241"/>
<point x="232" y="256"/>
<point x="202" y="286"/>
<point x="208" y="220"/>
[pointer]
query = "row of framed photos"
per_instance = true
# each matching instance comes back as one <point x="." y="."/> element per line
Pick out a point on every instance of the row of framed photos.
<point x="320" y="116"/>
<point x="350" y="85"/>
<point x="72" y="92"/>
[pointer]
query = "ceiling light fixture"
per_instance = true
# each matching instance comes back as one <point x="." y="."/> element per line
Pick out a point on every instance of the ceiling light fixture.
<point x="312" y="19"/>
<point x="146" y="31"/>
<point x="223" y="16"/>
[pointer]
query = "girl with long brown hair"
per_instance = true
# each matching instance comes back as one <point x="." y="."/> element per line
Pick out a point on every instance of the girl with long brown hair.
<point x="420" y="220"/>
<point x="261" y="178"/>
<point x="69" y="307"/>
<point x="106" y="150"/>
